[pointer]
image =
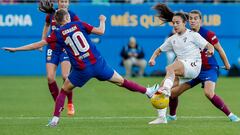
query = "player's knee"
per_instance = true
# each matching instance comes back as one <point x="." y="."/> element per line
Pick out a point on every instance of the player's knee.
<point x="173" y="95"/>
<point x="209" y="95"/>
<point x="64" y="77"/>
<point x="169" y="69"/>
<point x="50" y="79"/>
<point x="120" y="81"/>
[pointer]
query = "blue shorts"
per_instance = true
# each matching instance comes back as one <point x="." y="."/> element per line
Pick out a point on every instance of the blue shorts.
<point x="56" y="57"/>
<point x="100" y="70"/>
<point x="205" y="75"/>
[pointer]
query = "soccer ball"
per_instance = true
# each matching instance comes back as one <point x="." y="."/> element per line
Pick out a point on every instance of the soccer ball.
<point x="159" y="101"/>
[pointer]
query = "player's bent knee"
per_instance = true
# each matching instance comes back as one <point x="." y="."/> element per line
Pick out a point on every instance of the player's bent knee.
<point x="120" y="81"/>
<point x="64" y="77"/>
<point x="209" y="95"/>
<point x="50" y="79"/>
<point x="169" y="69"/>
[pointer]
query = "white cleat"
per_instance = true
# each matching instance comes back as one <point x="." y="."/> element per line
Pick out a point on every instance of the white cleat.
<point x="164" y="91"/>
<point x="53" y="122"/>
<point x="152" y="90"/>
<point x="159" y="120"/>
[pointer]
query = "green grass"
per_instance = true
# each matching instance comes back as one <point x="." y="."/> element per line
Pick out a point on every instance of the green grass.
<point x="105" y="109"/>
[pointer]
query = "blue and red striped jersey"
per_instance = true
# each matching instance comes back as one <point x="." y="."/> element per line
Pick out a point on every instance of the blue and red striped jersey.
<point x="74" y="38"/>
<point x="208" y="62"/>
<point x="53" y="25"/>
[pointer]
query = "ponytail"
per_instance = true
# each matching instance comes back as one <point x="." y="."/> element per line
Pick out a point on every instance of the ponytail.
<point x="164" y="13"/>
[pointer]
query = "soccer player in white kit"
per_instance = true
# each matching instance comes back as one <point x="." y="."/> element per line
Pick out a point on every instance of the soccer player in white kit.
<point x="187" y="45"/>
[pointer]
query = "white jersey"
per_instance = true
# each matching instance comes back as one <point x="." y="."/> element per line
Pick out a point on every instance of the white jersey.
<point x="185" y="46"/>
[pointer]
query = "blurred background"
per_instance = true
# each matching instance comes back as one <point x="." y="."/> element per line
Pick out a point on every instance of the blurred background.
<point x="21" y="23"/>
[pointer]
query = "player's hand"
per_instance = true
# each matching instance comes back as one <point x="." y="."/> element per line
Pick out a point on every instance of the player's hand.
<point x="210" y="53"/>
<point x="40" y="49"/>
<point x="9" y="49"/>
<point x="102" y="18"/>
<point x="151" y="62"/>
<point x="46" y="6"/>
<point x="227" y="67"/>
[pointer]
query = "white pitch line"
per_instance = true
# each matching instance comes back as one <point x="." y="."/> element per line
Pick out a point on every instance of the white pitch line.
<point x="106" y="117"/>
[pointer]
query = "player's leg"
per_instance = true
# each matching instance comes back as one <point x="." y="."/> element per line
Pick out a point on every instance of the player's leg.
<point x="52" y="61"/>
<point x="52" y="85"/>
<point x="77" y="78"/>
<point x="173" y="102"/>
<point x="104" y="72"/>
<point x="181" y="68"/>
<point x="132" y="86"/>
<point x="66" y="88"/>
<point x="175" y="69"/>
<point x="66" y="66"/>
<point x="179" y="87"/>
<point x="162" y="119"/>
<point x="209" y="87"/>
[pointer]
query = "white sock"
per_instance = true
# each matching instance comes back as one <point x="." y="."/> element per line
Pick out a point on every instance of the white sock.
<point x="168" y="83"/>
<point x="148" y="93"/>
<point x="55" y="119"/>
<point x="162" y="112"/>
<point x="230" y="115"/>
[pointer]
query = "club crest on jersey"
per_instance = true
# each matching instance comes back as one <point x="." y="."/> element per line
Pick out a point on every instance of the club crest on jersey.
<point x="174" y="41"/>
<point x="185" y="39"/>
<point x="54" y="27"/>
<point x="49" y="58"/>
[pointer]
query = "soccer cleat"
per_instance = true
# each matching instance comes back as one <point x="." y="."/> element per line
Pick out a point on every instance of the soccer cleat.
<point x="165" y="91"/>
<point x="159" y="120"/>
<point x="152" y="90"/>
<point x="234" y="118"/>
<point x="71" y="110"/>
<point x="171" y="118"/>
<point x="53" y="122"/>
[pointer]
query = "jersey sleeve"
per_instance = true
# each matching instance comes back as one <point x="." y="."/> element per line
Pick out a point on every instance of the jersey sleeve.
<point x="74" y="17"/>
<point x="212" y="38"/>
<point x="48" y="18"/>
<point x="199" y="40"/>
<point x="52" y="38"/>
<point x="166" y="46"/>
<point x="88" y="27"/>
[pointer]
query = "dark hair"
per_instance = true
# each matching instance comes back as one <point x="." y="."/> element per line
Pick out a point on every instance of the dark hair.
<point x="196" y="12"/>
<point x="165" y="14"/>
<point x="60" y="15"/>
<point x="182" y="15"/>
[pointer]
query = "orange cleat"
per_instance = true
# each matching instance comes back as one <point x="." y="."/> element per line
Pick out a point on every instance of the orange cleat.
<point x="71" y="110"/>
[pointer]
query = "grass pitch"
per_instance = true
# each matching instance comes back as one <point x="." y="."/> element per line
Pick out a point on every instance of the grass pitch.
<point x="105" y="109"/>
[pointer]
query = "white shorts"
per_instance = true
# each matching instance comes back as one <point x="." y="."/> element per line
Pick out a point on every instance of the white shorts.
<point x="191" y="68"/>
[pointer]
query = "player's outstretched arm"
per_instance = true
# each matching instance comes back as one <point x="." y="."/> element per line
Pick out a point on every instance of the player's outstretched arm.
<point x="156" y="53"/>
<point x="101" y="28"/>
<point x="28" y="47"/>
<point x="210" y="50"/>
<point x="223" y="55"/>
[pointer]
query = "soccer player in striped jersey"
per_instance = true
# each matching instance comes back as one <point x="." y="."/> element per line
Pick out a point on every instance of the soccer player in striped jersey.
<point x="208" y="75"/>
<point x="56" y="55"/>
<point x="85" y="59"/>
